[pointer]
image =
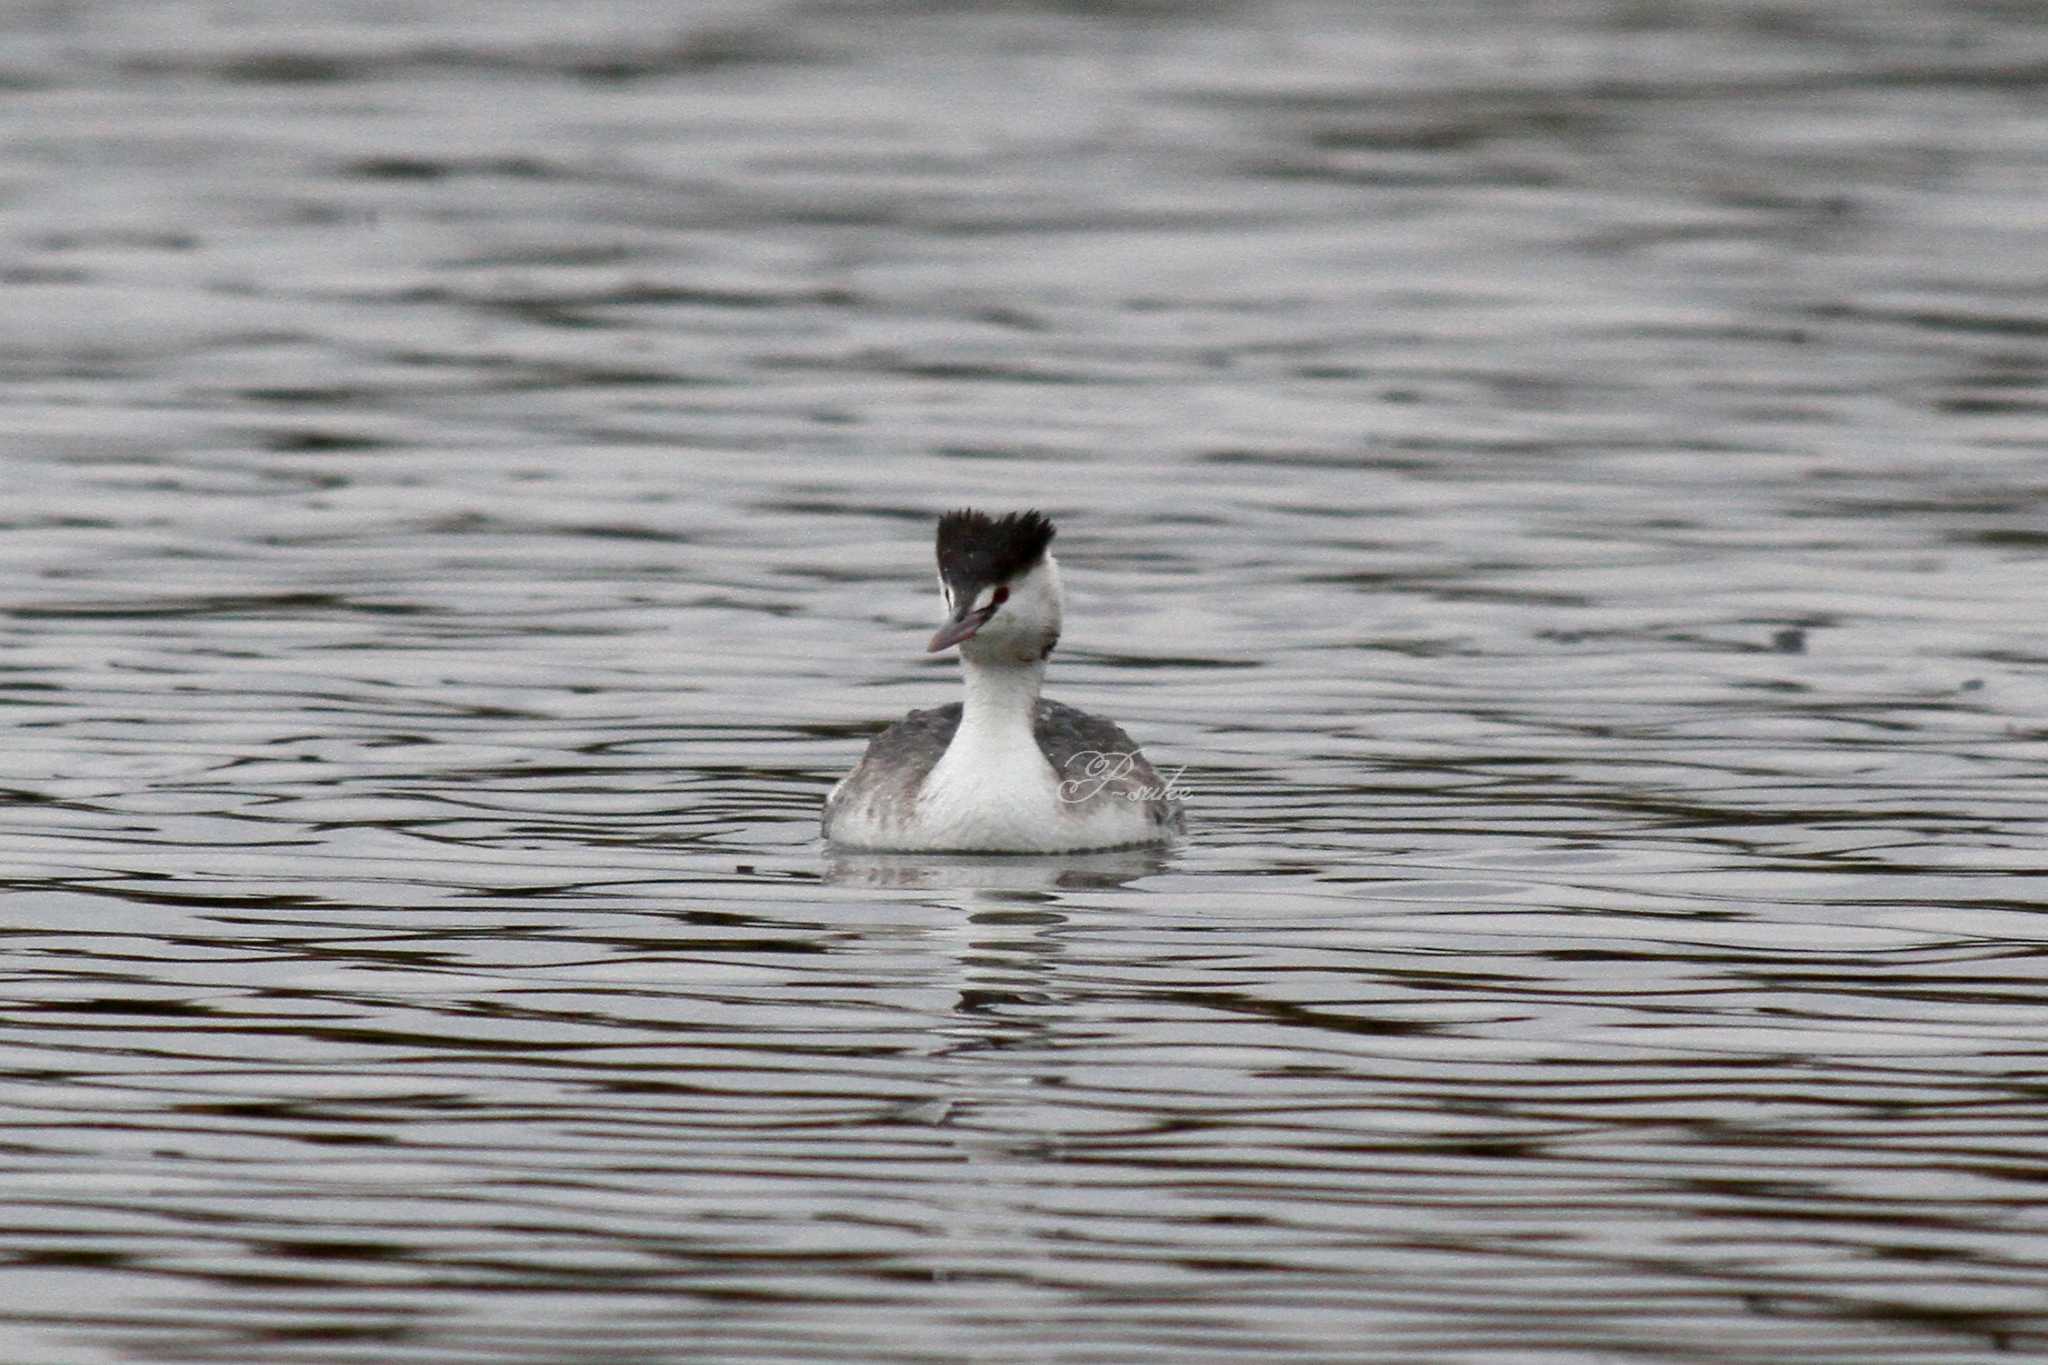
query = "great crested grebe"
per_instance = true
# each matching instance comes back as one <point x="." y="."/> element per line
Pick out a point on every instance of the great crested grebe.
<point x="1010" y="772"/>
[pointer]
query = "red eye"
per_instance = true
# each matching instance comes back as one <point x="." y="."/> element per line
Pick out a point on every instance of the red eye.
<point x="1002" y="596"/>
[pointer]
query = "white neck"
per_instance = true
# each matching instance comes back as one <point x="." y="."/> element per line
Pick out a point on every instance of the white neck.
<point x="1002" y="699"/>
<point x="993" y="788"/>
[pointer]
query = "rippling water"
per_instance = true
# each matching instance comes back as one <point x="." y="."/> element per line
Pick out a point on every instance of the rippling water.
<point x="1566" y="479"/>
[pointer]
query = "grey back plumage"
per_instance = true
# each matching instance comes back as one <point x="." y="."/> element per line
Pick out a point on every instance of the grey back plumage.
<point x="1092" y="757"/>
<point x="1096" y="761"/>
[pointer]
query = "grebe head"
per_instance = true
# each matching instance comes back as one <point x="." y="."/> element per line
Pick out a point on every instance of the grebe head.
<point x="1001" y="586"/>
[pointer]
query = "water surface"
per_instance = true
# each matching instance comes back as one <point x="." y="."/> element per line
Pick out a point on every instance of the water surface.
<point x="1565" y="480"/>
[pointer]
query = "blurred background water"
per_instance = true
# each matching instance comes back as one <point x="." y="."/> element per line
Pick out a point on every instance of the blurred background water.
<point x="1565" y="479"/>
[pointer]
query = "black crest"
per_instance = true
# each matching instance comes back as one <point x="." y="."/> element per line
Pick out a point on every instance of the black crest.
<point x="976" y="549"/>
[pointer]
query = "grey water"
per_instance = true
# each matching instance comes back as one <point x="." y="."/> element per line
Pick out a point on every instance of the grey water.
<point x="1564" y="481"/>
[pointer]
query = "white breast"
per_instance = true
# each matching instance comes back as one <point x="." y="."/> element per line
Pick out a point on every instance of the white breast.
<point x="994" y="791"/>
